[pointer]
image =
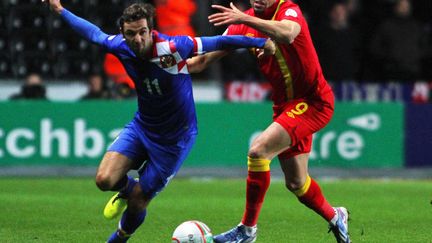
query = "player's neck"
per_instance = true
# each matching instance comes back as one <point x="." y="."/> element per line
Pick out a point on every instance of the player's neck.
<point x="147" y="53"/>
<point x="268" y="12"/>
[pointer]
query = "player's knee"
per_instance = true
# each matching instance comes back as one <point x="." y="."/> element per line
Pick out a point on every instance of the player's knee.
<point x="293" y="184"/>
<point x="256" y="152"/>
<point x="103" y="182"/>
<point x="260" y="148"/>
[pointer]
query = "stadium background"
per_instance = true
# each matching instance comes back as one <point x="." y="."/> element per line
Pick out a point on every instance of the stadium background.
<point x="380" y="121"/>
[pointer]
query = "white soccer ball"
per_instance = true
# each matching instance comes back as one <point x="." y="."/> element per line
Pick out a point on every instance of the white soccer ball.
<point x="192" y="232"/>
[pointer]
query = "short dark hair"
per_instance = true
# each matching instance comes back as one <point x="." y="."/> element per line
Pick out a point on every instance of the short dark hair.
<point x="136" y="12"/>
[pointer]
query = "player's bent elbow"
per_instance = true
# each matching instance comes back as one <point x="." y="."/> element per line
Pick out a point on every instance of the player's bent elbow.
<point x="285" y="38"/>
<point x="290" y="31"/>
<point x="195" y="64"/>
<point x="290" y="36"/>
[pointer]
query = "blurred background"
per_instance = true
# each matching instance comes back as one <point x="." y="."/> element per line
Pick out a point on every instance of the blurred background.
<point x="377" y="55"/>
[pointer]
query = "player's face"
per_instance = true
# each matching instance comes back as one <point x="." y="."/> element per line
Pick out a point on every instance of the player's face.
<point x="138" y="37"/>
<point x="260" y="5"/>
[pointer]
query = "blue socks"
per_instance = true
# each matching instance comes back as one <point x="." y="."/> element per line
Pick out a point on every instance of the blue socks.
<point x="128" y="224"/>
<point x="131" y="221"/>
<point x="115" y="238"/>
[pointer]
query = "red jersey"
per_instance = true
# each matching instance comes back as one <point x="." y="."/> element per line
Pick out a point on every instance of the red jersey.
<point x="294" y="71"/>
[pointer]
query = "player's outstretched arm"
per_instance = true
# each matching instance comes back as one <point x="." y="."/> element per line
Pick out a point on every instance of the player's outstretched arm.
<point x="198" y="63"/>
<point x="213" y="44"/>
<point x="284" y="31"/>
<point x="227" y="42"/>
<point x="86" y="29"/>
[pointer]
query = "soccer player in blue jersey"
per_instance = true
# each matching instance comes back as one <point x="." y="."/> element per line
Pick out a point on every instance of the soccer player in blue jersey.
<point x="165" y="126"/>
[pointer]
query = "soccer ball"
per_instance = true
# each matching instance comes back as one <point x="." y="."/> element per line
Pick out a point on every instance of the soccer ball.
<point x="192" y="232"/>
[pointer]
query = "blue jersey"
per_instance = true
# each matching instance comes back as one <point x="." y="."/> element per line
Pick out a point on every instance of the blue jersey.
<point x="166" y="107"/>
<point x="164" y="88"/>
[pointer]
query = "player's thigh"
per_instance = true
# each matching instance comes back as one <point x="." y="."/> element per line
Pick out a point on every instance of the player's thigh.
<point x="270" y="142"/>
<point x="295" y="170"/>
<point x="125" y="153"/>
<point x="301" y="118"/>
<point x="113" y="167"/>
<point x="131" y="144"/>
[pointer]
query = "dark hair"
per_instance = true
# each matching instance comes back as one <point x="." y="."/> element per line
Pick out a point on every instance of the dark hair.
<point x="136" y="12"/>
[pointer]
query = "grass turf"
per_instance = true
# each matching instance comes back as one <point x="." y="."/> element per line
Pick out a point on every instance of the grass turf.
<point x="70" y="210"/>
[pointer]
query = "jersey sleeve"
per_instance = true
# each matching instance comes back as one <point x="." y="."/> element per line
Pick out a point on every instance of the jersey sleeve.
<point x="205" y="44"/>
<point x="289" y="11"/>
<point x="90" y="31"/>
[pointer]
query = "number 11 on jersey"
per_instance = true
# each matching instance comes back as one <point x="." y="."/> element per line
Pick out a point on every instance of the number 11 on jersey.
<point x="153" y="86"/>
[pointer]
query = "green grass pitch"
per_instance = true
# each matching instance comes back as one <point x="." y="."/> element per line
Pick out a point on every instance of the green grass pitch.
<point x="70" y="210"/>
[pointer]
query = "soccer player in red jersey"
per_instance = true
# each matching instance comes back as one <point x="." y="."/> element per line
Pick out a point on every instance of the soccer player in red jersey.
<point x="303" y="104"/>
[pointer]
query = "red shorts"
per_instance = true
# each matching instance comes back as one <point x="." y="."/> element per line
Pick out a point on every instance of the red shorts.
<point x="303" y="117"/>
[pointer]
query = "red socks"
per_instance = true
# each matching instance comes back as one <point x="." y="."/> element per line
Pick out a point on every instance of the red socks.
<point x="258" y="181"/>
<point x="257" y="185"/>
<point x="311" y="196"/>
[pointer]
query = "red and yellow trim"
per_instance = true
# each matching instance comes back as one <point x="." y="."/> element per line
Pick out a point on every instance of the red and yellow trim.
<point x="258" y="165"/>
<point x="300" y="192"/>
<point x="283" y="66"/>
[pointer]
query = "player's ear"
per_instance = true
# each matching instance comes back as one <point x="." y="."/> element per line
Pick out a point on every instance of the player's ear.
<point x="120" y="24"/>
<point x="121" y="29"/>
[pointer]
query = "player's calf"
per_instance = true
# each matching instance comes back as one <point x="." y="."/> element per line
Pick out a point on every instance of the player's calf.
<point x="310" y="195"/>
<point x="129" y="222"/>
<point x="132" y="217"/>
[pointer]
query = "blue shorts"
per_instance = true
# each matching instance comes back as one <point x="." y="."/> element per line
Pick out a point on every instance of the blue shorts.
<point x="162" y="161"/>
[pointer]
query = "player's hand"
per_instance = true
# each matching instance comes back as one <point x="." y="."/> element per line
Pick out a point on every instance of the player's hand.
<point x="227" y="16"/>
<point x="55" y="5"/>
<point x="269" y="49"/>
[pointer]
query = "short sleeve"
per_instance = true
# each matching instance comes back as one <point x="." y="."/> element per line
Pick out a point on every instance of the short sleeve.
<point x="291" y="12"/>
